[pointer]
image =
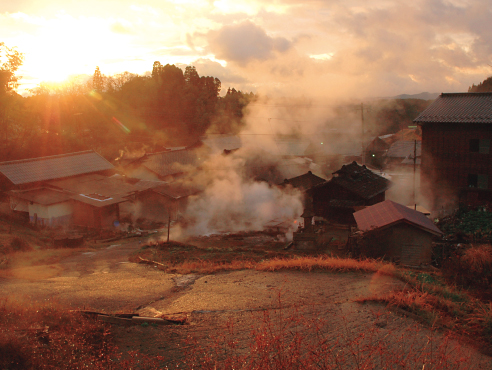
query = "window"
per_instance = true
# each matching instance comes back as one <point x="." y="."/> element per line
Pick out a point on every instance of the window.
<point x="474" y="145"/>
<point x="472" y="181"/>
<point x="478" y="181"/>
<point x="480" y="146"/>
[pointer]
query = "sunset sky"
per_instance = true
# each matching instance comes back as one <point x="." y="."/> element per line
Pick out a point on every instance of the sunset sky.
<point x="328" y="48"/>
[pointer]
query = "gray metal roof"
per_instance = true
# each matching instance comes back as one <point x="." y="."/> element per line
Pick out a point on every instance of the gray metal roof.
<point x="404" y="149"/>
<point x="458" y="108"/>
<point x="32" y="170"/>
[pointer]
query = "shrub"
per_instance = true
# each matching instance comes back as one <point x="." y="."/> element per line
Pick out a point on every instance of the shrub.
<point x="473" y="268"/>
<point x="18" y="244"/>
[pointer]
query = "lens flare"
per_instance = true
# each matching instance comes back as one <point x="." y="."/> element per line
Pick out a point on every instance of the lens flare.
<point x="123" y="128"/>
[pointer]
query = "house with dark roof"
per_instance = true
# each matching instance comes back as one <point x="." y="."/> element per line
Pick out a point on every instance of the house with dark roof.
<point x="351" y="188"/>
<point x="396" y="232"/>
<point x="456" y="157"/>
<point x="303" y="182"/>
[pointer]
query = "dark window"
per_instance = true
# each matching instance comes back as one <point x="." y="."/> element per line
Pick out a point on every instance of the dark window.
<point x="472" y="181"/>
<point x="478" y="181"/>
<point x="480" y="146"/>
<point x="474" y="145"/>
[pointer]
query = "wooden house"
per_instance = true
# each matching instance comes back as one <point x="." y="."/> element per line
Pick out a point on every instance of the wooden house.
<point x="456" y="156"/>
<point x="351" y="188"/>
<point x="396" y="232"/>
<point x="69" y="189"/>
<point x="303" y="182"/>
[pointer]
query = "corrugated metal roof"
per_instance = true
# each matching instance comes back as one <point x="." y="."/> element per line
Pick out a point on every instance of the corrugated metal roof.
<point x="404" y="149"/>
<point x="96" y="184"/>
<point x="388" y="213"/>
<point x="458" y="108"/>
<point x="95" y="202"/>
<point x="53" y="167"/>
<point x="42" y="196"/>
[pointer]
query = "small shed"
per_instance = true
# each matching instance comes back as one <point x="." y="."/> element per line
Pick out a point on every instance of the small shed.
<point x="394" y="231"/>
<point x="163" y="202"/>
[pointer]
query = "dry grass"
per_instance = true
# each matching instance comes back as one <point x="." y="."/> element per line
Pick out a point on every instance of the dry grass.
<point x="322" y="263"/>
<point x="478" y="258"/>
<point x="49" y="336"/>
<point x="283" y="340"/>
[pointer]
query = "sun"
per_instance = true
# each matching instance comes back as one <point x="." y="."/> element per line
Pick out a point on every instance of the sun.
<point x="51" y="72"/>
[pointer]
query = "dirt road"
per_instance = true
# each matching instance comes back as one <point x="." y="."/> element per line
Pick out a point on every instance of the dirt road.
<point x="105" y="281"/>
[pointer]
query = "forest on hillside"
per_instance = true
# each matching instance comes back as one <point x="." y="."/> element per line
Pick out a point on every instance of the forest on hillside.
<point x="167" y="107"/>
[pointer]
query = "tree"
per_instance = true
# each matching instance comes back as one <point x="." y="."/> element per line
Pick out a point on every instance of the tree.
<point x="10" y="61"/>
<point x="485" y="86"/>
<point x="98" y="81"/>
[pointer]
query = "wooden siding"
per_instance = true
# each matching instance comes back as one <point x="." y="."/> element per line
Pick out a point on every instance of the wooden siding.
<point x="447" y="160"/>
<point x="403" y="243"/>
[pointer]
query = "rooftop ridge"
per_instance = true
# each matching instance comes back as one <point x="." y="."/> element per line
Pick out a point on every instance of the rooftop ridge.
<point x="467" y="93"/>
<point x="27" y="160"/>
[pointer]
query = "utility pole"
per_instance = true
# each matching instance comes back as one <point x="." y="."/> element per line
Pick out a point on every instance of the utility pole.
<point x="414" y="171"/>
<point x="363" y="132"/>
<point x="168" y="224"/>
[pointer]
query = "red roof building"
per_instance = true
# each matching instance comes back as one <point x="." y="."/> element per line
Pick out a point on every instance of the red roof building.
<point x="397" y="232"/>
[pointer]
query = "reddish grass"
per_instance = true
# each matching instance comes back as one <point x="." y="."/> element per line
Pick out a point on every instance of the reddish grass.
<point x="320" y="263"/>
<point x="48" y="336"/>
<point x="292" y="341"/>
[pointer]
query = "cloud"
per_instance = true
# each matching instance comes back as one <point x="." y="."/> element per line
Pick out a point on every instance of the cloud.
<point x="244" y="42"/>
<point x="207" y="67"/>
<point x="119" y="27"/>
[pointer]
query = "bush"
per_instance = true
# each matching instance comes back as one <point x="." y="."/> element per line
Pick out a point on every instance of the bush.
<point x="19" y="245"/>
<point x="471" y="268"/>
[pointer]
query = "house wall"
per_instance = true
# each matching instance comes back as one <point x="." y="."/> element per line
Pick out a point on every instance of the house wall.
<point x="20" y="205"/>
<point x="322" y="196"/>
<point x="329" y="191"/>
<point x="447" y="161"/>
<point x="51" y="215"/>
<point x="402" y="242"/>
<point x="95" y="217"/>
